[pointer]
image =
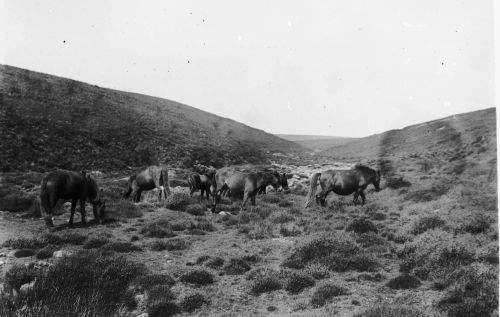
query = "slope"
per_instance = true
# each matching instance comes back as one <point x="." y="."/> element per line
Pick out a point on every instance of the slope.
<point x="48" y="121"/>
<point x="316" y="142"/>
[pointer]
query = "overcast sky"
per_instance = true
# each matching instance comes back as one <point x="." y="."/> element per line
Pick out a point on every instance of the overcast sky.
<point x="346" y="68"/>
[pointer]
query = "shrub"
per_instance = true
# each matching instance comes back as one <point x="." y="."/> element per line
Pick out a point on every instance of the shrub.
<point x="196" y="210"/>
<point x="285" y="204"/>
<point x="391" y="311"/>
<point x="247" y="217"/>
<point x="361" y="225"/>
<point x="405" y="281"/>
<point x="265" y="283"/>
<point x="46" y="252"/>
<point x="396" y="182"/>
<point x="158" y="229"/>
<point x="297" y="281"/>
<point x="197" y="277"/>
<point x="378" y="216"/>
<point x="338" y="252"/>
<point x="472" y="291"/>
<point x="253" y="258"/>
<point x="325" y="292"/>
<point x="177" y="201"/>
<point x="215" y="263"/>
<point x="425" y="223"/>
<point x="19" y="275"/>
<point x="262" y="211"/>
<point x="23" y="253"/>
<point x="236" y="267"/>
<point x="479" y="223"/>
<point x="287" y="232"/>
<point x="192" y="302"/>
<point x="271" y="199"/>
<point x="163" y="309"/>
<point x="435" y="253"/>
<point x="370" y="239"/>
<point x="90" y="282"/>
<point x="95" y="242"/>
<point x="65" y="237"/>
<point x="203" y="258"/>
<point x="158" y="293"/>
<point x="282" y="217"/>
<point x="122" y="247"/>
<point x="261" y="231"/>
<point x="25" y="243"/>
<point x="317" y="270"/>
<point x="170" y="245"/>
<point x="123" y="209"/>
<point x="147" y="281"/>
<point x="203" y="224"/>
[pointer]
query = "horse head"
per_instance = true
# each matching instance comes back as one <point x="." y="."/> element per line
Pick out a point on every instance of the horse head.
<point x="321" y="199"/>
<point x="95" y="195"/>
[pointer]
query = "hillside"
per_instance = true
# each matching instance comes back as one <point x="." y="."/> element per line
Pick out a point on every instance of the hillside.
<point x="48" y="121"/>
<point x="316" y="142"/>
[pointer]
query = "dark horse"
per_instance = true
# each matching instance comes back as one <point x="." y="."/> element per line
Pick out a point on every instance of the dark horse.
<point x="200" y="182"/>
<point x="247" y="184"/>
<point x="265" y="179"/>
<point x="150" y="178"/>
<point x="77" y="186"/>
<point x="343" y="182"/>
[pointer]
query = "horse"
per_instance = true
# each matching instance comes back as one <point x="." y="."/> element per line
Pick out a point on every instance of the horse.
<point x="265" y="179"/>
<point x="200" y="182"/>
<point x="150" y="178"/>
<point x="343" y="182"/>
<point x="77" y="186"/>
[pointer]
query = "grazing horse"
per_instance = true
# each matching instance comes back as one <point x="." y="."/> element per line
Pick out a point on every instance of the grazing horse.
<point x="200" y="182"/>
<point x="265" y="179"/>
<point x="150" y="178"/>
<point x="77" y="186"/>
<point x="343" y="182"/>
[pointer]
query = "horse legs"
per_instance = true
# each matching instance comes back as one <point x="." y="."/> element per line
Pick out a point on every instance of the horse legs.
<point x="363" y="198"/>
<point x="253" y="200"/>
<point x="202" y="192"/>
<point x="73" y="207"/>
<point x="356" y="195"/>
<point x="82" y="210"/>
<point x="137" y="196"/>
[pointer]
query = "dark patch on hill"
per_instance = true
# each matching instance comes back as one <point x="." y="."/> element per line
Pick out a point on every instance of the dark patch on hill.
<point x="48" y="121"/>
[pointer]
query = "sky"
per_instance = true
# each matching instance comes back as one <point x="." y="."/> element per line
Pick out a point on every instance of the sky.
<point x="340" y="68"/>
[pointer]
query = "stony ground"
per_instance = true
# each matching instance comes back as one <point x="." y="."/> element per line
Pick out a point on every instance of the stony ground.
<point x="264" y="238"/>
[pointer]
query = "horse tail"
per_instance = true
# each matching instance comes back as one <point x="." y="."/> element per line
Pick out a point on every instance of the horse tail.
<point x="45" y="204"/>
<point x="129" y="187"/>
<point x="312" y="190"/>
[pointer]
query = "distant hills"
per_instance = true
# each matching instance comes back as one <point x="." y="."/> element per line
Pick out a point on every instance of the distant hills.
<point x="316" y="142"/>
<point x="48" y="121"/>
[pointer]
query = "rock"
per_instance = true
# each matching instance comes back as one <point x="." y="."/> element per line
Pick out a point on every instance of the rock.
<point x="61" y="253"/>
<point x="2" y="262"/>
<point x="25" y="288"/>
<point x="143" y="315"/>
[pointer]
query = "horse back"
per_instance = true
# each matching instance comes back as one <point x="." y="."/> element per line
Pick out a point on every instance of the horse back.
<point x="63" y="184"/>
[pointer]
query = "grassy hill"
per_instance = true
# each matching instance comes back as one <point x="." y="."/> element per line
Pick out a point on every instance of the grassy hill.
<point x="48" y="121"/>
<point x="316" y="142"/>
<point x="453" y="154"/>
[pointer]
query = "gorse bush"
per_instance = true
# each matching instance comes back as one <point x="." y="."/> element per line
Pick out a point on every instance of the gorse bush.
<point x="215" y="263"/>
<point x="196" y="210"/>
<point x="95" y="242"/>
<point x="236" y="266"/>
<point x="435" y="253"/>
<point x="85" y="283"/>
<point x="158" y="229"/>
<point x="336" y="251"/>
<point x="170" y="245"/>
<point x="427" y="223"/>
<point x="122" y="247"/>
<point x="46" y="252"/>
<point x="18" y="275"/>
<point x="197" y="277"/>
<point x="192" y="302"/>
<point x="177" y="201"/>
<point x="323" y="293"/>
<point x="473" y="292"/>
<point x="361" y="225"/>
<point x="265" y="282"/>
<point x="391" y="311"/>
<point x="297" y="281"/>
<point x="405" y="281"/>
